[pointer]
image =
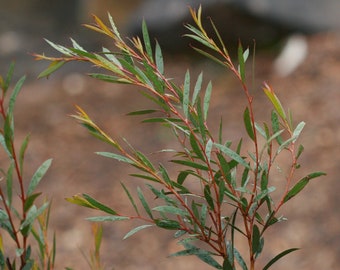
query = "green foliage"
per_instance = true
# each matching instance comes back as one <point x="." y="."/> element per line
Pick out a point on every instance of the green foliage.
<point x="234" y="192"/>
<point x="23" y="221"/>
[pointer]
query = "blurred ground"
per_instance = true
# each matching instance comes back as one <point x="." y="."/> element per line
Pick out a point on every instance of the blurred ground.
<point x="312" y="92"/>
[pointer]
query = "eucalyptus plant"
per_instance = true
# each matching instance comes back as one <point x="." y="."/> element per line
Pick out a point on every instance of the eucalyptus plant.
<point x="221" y="190"/>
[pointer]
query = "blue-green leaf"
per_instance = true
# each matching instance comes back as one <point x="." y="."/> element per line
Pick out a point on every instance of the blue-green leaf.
<point x="137" y="229"/>
<point x="226" y="150"/>
<point x="38" y="175"/>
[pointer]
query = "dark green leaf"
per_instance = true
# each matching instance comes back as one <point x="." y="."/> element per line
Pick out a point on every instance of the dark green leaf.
<point x="130" y="198"/>
<point x="99" y="205"/>
<point x="110" y="78"/>
<point x="146" y="40"/>
<point x="256" y="238"/>
<point x="248" y="124"/>
<point x="9" y="183"/>
<point x="182" y="176"/>
<point x="278" y="257"/>
<point x="168" y="224"/>
<point x="241" y="60"/>
<point x="22" y="152"/>
<point x="30" y="200"/>
<point x="191" y="164"/>
<point x="202" y="254"/>
<point x="227" y="265"/>
<point x="142" y="112"/>
<point x="301" y="184"/>
<point x="144" y="202"/>
<point x="195" y="147"/>
<point x="208" y="197"/>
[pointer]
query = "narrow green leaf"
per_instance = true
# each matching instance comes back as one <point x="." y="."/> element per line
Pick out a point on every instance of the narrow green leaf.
<point x="146" y="39"/>
<point x="202" y="254"/>
<point x="30" y="201"/>
<point x="301" y="184"/>
<point x="130" y="198"/>
<point x="142" y="158"/>
<point x="144" y="202"/>
<point x="9" y="183"/>
<point x="255" y="240"/>
<point x="240" y="260"/>
<point x="208" y="197"/>
<point x="248" y="124"/>
<point x="55" y="65"/>
<point x="12" y="100"/>
<point x="197" y="88"/>
<point x="278" y="257"/>
<point x="6" y="83"/>
<point x="182" y="176"/>
<point x="208" y="148"/>
<point x="275" y="101"/>
<point x="241" y="60"/>
<point x="160" y="194"/>
<point x="109" y="55"/>
<point x="168" y="224"/>
<point x="300" y="150"/>
<point x="143" y="176"/>
<point x="171" y="210"/>
<point x="116" y="156"/>
<point x="110" y="78"/>
<point x="142" y="112"/>
<point x="98" y="205"/>
<point x="107" y="218"/>
<point x="186" y="94"/>
<point x="226" y="150"/>
<point x="298" y="130"/>
<point x="38" y="175"/>
<point x="206" y="102"/>
<point x="159" y="59"/>
<point x="32" y="214"/>
<point x="137" y="229"/>
<point x="227" y="265"/>
<point x="22" y="152"/>
<point x="276" y="126"/>
<point x="195" y="147"/>
<point x="191" y="164"/>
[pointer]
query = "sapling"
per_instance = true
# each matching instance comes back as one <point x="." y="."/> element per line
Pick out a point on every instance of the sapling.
<point x="233" y="192"/>
<point x="24" y="221"/>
